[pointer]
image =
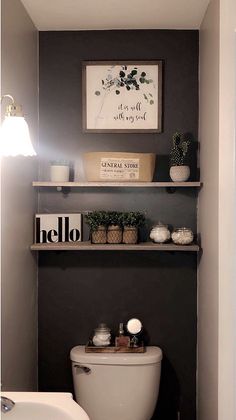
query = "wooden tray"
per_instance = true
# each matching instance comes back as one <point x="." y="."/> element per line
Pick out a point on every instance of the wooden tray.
<point x="112" y="349"/>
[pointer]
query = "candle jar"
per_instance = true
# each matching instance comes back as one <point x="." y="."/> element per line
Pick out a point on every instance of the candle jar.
<point x="160" y="233"/>
<point x="59" y="171"/>
<point x="182" y="236"/>
<point x="102" y="335"/>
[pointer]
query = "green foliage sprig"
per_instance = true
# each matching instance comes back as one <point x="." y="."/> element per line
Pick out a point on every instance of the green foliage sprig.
<point x="114" y="218"/>
<point x="179" y="151"/>
<point x="96" y="218"/>
<point x="107" y="218"/>
<point x="133" y="219"/>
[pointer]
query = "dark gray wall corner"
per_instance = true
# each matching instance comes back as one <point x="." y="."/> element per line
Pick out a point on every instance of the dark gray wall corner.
<point x="78" y="290"/>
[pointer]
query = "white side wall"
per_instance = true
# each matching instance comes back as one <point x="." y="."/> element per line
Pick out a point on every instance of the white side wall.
<point x="208" y="216"/>
<point x="19" y="77"/>
<point x="217" y="291"/>
<point x="227" y="213"/>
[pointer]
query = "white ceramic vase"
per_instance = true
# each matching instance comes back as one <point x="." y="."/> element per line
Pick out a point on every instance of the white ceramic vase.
<point x="179" y="173"/>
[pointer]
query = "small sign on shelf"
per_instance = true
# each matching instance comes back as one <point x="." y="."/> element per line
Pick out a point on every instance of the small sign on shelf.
<point x="54" y="228"/>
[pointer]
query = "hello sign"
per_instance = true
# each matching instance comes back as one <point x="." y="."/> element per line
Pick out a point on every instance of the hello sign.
<point x="52" y="228"/>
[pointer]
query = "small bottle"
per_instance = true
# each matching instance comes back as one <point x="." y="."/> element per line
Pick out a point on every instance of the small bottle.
<point x="122" y="340"/>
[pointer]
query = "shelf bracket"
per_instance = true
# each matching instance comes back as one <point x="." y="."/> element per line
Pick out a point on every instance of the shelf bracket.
<point x="64" y="190"/>
<point x="170" y="190"/>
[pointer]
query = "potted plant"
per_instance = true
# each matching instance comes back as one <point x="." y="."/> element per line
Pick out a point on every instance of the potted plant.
<point x="179" y="170"/>
<point x="131" y="221"/>
<point x="97" y="221"/>
<point x="114" y="231"/>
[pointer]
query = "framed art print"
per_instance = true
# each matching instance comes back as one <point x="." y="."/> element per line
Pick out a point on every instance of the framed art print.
<point x="122" y="96"/>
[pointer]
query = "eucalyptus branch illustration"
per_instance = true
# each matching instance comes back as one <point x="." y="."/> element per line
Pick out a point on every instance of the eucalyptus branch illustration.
<point x="130" y="80"/>
<point x="102" y="105"/>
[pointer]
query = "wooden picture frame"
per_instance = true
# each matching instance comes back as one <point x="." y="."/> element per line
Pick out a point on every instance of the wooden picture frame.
<point x="122" y="96"/>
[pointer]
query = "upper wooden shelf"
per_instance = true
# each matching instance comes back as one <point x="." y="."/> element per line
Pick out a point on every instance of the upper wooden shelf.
<point x="87" y="246"/>
<point x="169" y="184"/>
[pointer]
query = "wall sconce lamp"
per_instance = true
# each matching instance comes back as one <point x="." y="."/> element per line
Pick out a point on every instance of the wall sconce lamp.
<point x="14" y="134"/>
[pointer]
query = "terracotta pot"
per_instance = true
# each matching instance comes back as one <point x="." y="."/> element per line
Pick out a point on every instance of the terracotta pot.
<point x="114" y="234"/>
<point x="99" y="236"/>
<point x="130" y="235"/>
<point x="179" y="173"/>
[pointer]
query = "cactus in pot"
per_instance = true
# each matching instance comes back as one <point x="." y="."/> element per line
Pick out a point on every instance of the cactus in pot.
<point x="179" y="169"/>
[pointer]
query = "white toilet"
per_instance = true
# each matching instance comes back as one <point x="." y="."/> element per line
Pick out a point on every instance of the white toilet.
<point x="115" y="386"/>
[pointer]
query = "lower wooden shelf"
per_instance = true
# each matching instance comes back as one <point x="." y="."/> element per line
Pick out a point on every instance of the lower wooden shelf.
<point x="87" y="246"/>
<point x="153" y="184"/>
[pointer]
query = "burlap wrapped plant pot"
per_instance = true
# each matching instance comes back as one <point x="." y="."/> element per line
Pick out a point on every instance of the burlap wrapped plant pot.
<point x="99" y="236"/>
<point x="131" y="221"/>
<point x="114" y="234"/>
<point x="130" y="235"/>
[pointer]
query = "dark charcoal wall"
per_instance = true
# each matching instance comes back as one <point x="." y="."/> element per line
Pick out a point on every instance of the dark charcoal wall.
<point x="78" y="290"/>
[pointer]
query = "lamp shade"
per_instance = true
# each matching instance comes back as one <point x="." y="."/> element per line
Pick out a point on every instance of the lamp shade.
<point x="15" y="138"/>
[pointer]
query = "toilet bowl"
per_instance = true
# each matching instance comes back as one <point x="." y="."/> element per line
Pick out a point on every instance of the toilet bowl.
<point x="115" y="386"/>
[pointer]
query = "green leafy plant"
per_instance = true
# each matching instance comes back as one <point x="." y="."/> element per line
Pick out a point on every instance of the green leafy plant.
<point x="179" y="151"/>
<point x="107" y="218"/>
<point x="96" y="218"/>
<point x="114" y="218"/>
<point x="133" y="219"/>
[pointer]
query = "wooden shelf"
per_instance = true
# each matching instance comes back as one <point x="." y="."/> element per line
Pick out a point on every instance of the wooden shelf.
<point x="168" y="184"/>
<point x="87" y="246"/>
<point x="112" y="349"/>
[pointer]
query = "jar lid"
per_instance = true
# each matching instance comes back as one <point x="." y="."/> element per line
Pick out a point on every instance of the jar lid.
<point x="160" y="225"/>
<point x="102" y="328"/>
<point x="60" y="162"/>
<point x="183" y="229"/>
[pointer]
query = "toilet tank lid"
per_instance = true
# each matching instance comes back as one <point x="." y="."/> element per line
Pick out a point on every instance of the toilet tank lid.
<point x="152" y="355"/>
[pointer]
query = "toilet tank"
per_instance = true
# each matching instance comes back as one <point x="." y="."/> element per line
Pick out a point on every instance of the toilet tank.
<point x="117" y="385"/>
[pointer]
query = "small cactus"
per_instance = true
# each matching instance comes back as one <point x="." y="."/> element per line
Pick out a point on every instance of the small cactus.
<point x="179" y="151"/>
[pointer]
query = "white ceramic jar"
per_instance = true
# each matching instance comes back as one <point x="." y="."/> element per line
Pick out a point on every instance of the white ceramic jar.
<point x="59" y="172"/>
<point x="102" y="336"/>
<point x="182" y="236"/>
<point x="160" y="233"/>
